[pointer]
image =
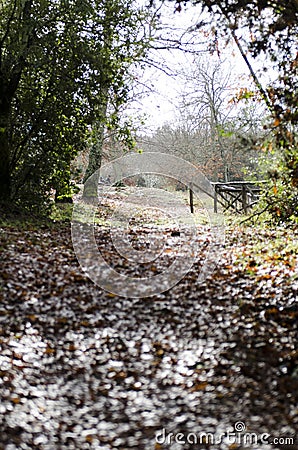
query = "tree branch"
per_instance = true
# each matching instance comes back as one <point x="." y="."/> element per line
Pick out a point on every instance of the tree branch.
<point x="8" y="27"/>
<point x="252" y="72"/>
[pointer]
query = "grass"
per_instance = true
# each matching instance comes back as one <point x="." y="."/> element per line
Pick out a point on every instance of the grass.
<point x="61" y="212"/>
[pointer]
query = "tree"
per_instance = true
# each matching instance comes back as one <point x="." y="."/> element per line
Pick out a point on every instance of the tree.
<point x="63" y="69"/>
<point x="273" y="32"/>
<point x="205" y="98"/>
<point x="227" y="129"/>
<point x="265" y="31"/>
<point x="212" y="130"/>
<point x="123" y="44"/>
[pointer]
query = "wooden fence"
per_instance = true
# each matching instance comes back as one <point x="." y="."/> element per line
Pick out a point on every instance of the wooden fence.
<point x="239" y="196"/>
<point x="236" y="195"/>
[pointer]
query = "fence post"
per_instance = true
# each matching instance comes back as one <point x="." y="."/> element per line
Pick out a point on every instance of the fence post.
<point x="244" y="198"/>
<point x="215" y="199"/>
<point x="191" y="199"/>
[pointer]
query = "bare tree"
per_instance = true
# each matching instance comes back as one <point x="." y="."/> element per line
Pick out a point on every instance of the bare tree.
<point x="213" y="130"/>
<point x="208" y="102"/>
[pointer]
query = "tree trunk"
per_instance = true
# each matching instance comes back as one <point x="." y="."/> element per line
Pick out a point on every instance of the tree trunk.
<point x="5" y="182"/>
<point x="95" y="156"/>
<point x="91" y="177"/>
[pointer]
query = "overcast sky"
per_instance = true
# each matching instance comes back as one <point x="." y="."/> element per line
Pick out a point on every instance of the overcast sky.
<point x="160" y="105"/>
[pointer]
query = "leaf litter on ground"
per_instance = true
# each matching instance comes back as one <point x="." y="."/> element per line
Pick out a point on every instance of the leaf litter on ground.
<point x="81" y="368"/>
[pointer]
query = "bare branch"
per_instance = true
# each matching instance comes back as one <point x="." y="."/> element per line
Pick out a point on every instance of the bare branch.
<point x="252" y="72"/>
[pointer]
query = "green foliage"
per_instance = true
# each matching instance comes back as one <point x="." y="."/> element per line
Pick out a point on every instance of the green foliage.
<point x="61" y="212"/>
<point x="64" y="66"/>
<point x="281" y="196"/>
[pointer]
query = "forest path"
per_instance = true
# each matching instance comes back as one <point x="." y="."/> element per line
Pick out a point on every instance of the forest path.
<point x="83" y="368"/>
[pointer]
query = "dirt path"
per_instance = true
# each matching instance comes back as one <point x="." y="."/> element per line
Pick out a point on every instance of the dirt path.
<point x="82" y="368"/>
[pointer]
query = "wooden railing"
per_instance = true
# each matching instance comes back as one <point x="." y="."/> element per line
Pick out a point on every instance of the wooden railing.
<point x="236" y="195"/>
